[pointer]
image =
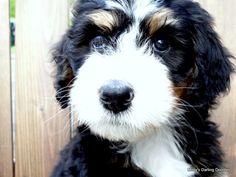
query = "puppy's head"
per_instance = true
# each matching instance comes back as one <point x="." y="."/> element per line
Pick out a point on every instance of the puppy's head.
<point x="127" y="67"/>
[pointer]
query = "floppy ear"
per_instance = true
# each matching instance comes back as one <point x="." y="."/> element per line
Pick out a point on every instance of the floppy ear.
<point x="64" y="73"/>
<point x="212" y="60"/>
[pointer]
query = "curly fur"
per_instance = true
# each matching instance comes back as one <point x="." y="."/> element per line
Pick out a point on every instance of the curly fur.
<point x="202" y="56"/>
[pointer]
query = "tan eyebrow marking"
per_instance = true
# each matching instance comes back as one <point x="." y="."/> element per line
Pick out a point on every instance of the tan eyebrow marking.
<point x="160" y="18"/>
<point x="104" y="19"/>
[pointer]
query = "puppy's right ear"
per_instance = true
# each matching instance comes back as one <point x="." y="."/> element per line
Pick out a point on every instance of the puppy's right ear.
<point x="64" y="73"/>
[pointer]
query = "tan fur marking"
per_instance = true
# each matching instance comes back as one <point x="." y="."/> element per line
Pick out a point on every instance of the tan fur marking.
<point x="160" y="18"/>
<point x="103" y="19"/>
<point x="181" y="88"/>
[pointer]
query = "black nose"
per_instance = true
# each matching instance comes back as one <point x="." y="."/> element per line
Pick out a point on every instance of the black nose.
<point x="116" y="95"/>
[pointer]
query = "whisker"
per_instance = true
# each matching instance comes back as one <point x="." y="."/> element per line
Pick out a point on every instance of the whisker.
<point x="62" y="91"/>
<point x="66" y="128"/>
<point x="64" y="96"/>
<point x="67" y="86"/>
<point x="185" y="87"/>
<point x="186" y="104"/>
<point x="181" y="122"/>
<point x="56" y="114"/>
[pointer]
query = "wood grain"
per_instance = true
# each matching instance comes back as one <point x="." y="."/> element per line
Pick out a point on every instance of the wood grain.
<point x="42" y="129"/>
<point x="6" y="165"/>
<point x="225" y="115"/>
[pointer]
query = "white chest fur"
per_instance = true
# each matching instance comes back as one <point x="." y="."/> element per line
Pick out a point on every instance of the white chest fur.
<point x="159" y="156"/>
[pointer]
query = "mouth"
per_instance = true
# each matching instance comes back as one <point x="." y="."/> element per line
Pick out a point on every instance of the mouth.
<point x="118" y="130"/>
<point x="117" y="103"/>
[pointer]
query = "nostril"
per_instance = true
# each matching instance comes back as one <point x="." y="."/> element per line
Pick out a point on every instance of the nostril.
<point x="129" y="97"/>
<point x="116" y="95"/>
<point x="105" y="98"/>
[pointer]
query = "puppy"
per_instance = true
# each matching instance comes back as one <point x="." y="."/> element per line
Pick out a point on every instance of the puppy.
<point x="142" y="76"/>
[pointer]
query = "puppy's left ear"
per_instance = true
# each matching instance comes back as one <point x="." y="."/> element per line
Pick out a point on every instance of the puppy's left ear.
<point x="212" y="59"/>
<point x="64" y="73"/>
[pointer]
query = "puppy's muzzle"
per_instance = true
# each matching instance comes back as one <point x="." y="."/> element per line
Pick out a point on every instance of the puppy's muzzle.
<point x="116" y="95"/>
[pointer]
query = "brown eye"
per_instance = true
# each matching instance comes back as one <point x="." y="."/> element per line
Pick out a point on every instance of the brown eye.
<point x="161" y="45"/>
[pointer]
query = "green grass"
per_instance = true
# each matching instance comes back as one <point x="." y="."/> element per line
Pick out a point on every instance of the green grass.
<point x="12" y="16"/>
<point x="13" y="49"/>
<point x="12" y="8"/>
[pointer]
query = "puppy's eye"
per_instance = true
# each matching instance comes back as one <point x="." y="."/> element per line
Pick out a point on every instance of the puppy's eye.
<point x="161" y="45"/>
<point x="99" y="43"/>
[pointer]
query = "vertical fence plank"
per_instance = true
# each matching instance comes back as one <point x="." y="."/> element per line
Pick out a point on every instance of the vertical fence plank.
<point x="39" y="23"/>
<point x="224" y="13"/>
<point x="6" y="168"/>
<point x="42" y="129"/>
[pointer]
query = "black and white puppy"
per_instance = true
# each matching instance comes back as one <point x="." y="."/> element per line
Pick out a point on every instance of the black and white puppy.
<point x="142" y="76"/>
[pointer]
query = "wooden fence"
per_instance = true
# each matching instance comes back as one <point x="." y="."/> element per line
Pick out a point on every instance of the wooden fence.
<point x="33" y="129"/>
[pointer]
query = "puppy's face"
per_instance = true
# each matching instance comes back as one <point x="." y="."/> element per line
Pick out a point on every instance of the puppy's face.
<point x="131" y="63"/>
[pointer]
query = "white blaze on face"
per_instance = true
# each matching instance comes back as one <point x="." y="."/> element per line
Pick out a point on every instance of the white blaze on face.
<point x="153" y="101"/>
<point x="145" y="123"/>
<point x="139" y="8"/>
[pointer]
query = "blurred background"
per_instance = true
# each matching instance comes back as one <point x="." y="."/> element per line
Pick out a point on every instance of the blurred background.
<point x="33" y="128"/>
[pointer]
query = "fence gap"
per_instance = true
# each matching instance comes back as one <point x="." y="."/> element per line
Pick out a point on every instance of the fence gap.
<point x="6" y="163"/>
<point x="13" y="79"/>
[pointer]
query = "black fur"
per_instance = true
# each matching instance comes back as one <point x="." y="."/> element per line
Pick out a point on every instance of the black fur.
<point x="196" y="50"/>
<point x="90" y="156"/>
